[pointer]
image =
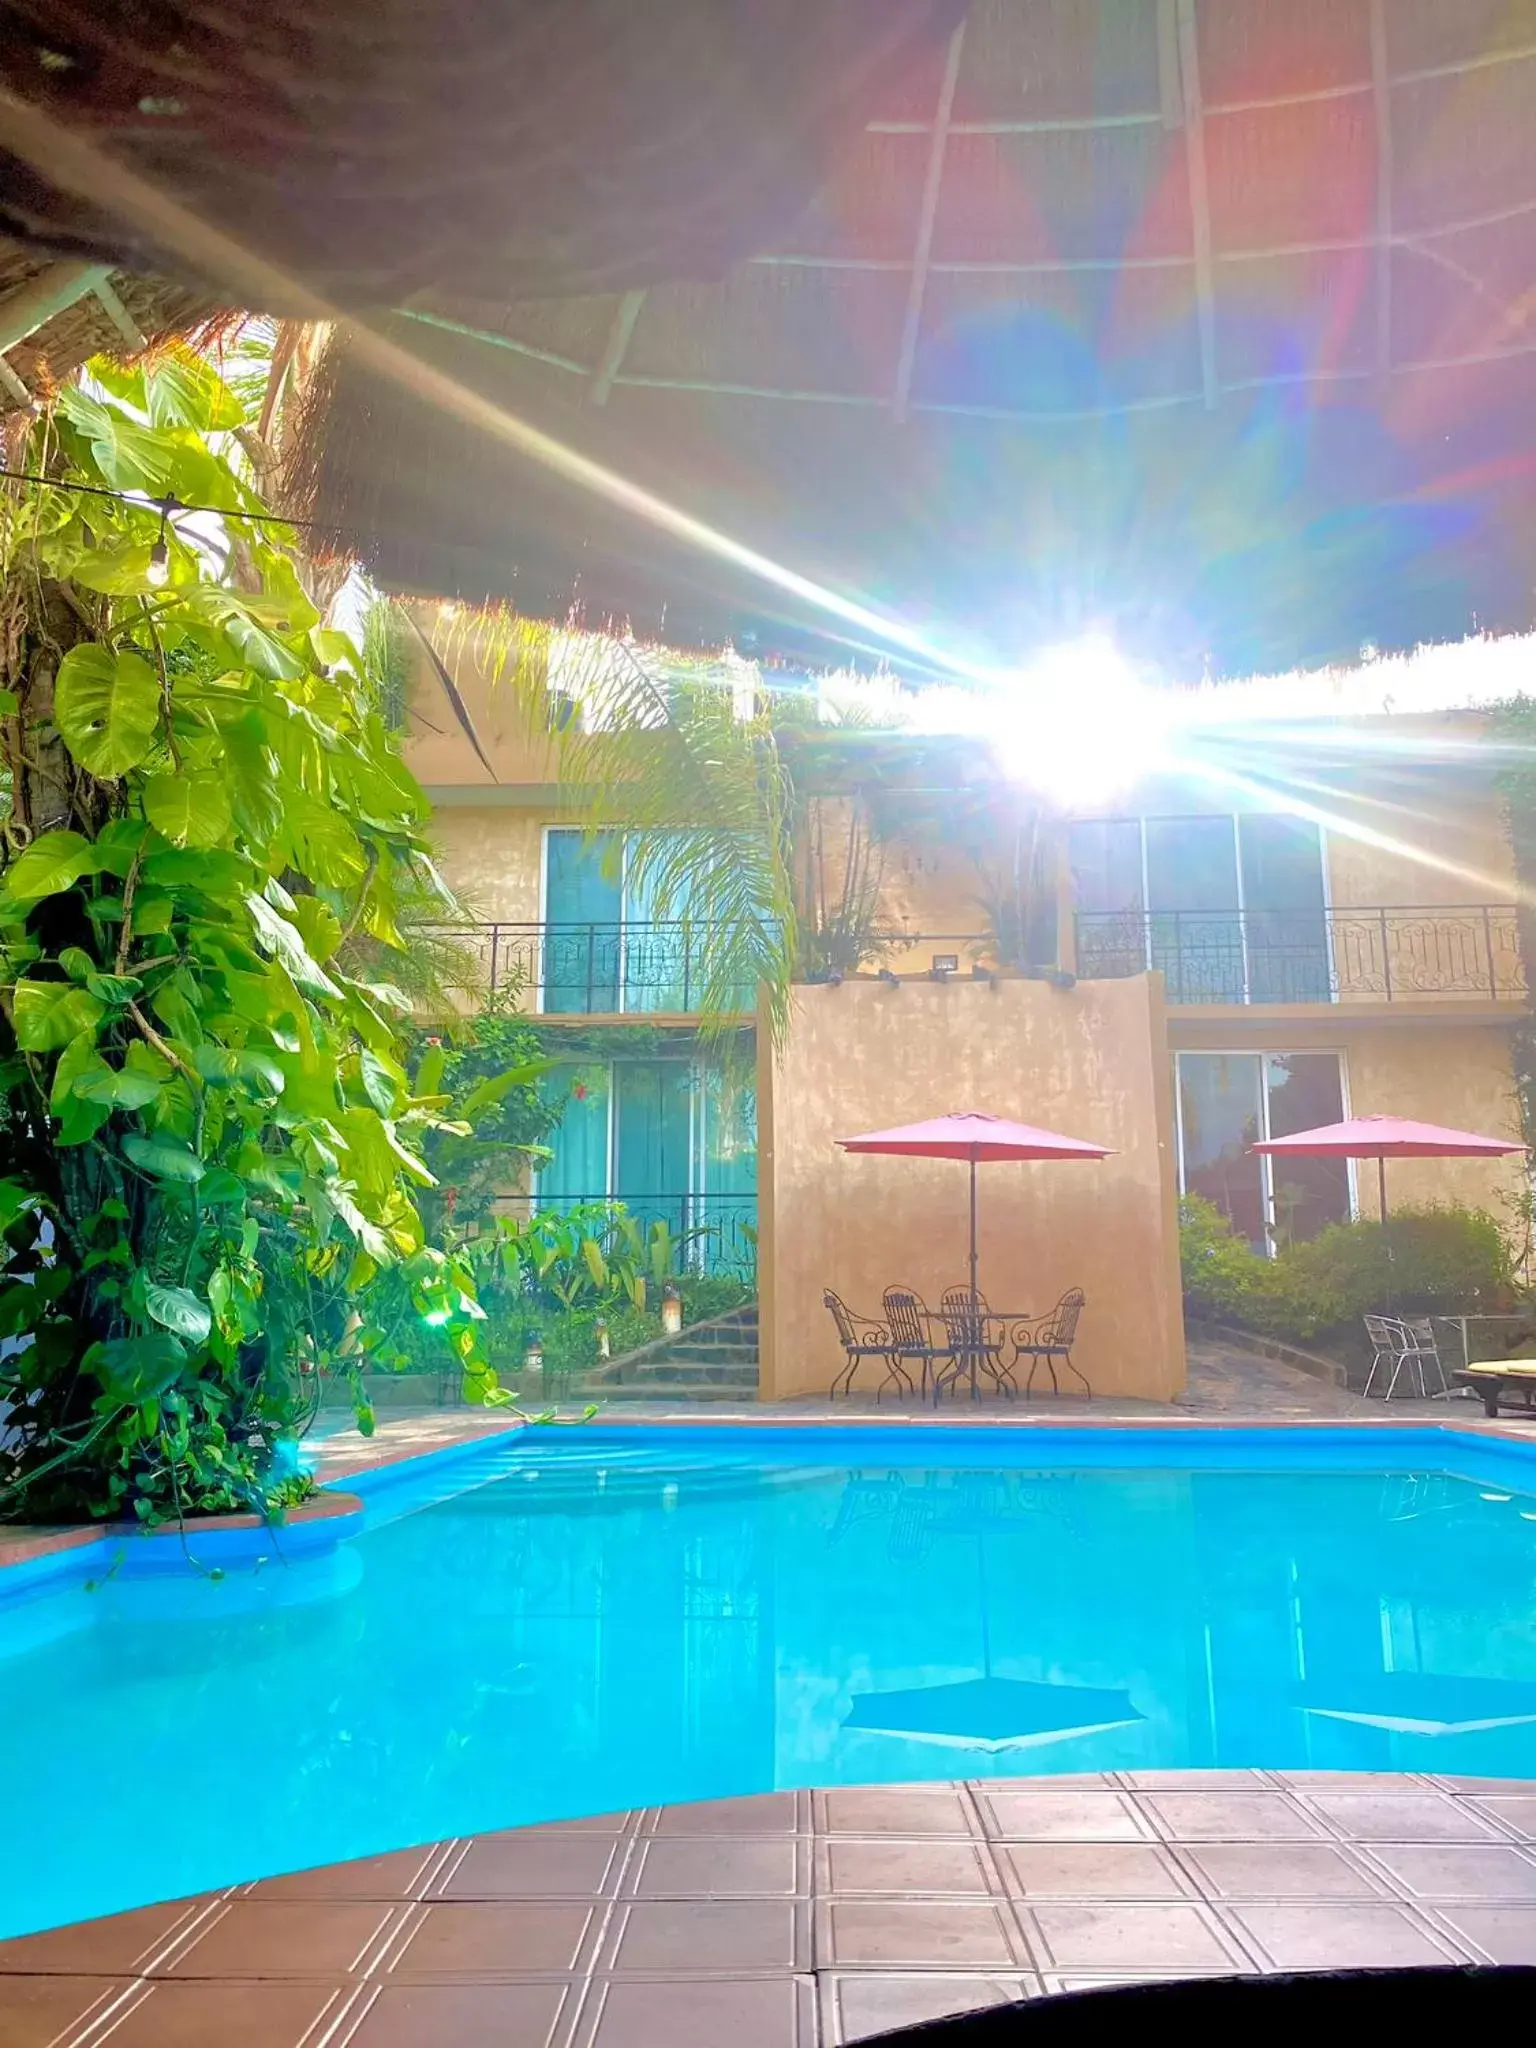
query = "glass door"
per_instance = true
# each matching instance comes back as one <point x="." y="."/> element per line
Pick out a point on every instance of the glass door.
<point x="1284" y="911"/>
<point x="1230" y="1101"/>
<point x="1194" y="902"/>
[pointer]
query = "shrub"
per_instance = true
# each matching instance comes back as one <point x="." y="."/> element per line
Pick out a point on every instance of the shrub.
<point x="1421" y="1261"/>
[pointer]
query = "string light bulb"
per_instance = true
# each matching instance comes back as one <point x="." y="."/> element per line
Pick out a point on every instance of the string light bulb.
<point x="160" y="553"/>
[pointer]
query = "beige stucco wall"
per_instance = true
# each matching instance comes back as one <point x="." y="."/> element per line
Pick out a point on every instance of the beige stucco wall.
<point x="1449" y="846"/>
<point x="492" y="857"/>
<point x="1092" y="1062"/>
<point x="1445" y="1075"/>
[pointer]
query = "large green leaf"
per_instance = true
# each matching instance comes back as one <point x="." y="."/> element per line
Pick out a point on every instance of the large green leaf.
<point x="191" y="810"/>
<point x="257" y="647"/>
<point x="52" y="862"/>
<point x="133" y="1370"/>
<point x="184" y="391"/>
<point x="328" y="849"/>
<point x="119" y="1088"/>
<point x="491" y="1093"/>
<point x="318" y="925"/>
<point x="163" y="1158"/>
<point x="180" y="1310"/>
<point x="107" y="707"/>
<point x="275" y="935"/>
<point x="47" y="1014"/>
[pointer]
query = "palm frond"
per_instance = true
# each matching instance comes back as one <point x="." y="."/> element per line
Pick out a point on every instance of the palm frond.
<point x="671" y="751"/>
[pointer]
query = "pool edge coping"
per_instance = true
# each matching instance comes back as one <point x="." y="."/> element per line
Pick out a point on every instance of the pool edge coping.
<point x="23" y="1545"/>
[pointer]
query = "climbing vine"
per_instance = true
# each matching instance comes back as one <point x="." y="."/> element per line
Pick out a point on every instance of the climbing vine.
<point x="210" y="1145"/>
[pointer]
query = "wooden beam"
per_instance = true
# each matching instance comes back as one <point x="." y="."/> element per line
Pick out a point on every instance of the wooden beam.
<point x="118" y="314"/>
<point x="625" y="316"/>
<point x="52" y="291"/>
<point x="12" y="385"/>
<point x="928" y="212"/>
<point x="1381" y="81"/>
<point x="1169" y="84"/>
<point x="1199" y="196"/>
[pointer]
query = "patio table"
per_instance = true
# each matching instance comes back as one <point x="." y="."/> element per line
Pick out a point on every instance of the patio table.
<point x="1008" y="1319"/>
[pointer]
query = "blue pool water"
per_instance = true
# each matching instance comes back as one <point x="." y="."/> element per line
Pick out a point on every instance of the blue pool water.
<point x="584" y="1620"/>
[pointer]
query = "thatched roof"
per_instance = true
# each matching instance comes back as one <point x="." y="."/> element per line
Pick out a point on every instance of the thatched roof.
<point x="1210" y="319"/>
<point x="375" y="149"/>
<point x="54" y="315"/>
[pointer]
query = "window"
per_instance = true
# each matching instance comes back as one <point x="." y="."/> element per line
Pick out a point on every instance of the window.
<point x="1230" y="1101"/>
<point x="604" y="947"/>
<point x="670" y="1138"/>
<point x="1229" y="909"/>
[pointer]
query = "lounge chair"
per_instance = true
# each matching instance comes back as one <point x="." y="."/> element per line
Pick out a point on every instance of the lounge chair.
<point x="1501" y="1382"/>
<point x="1049" y="1342"/>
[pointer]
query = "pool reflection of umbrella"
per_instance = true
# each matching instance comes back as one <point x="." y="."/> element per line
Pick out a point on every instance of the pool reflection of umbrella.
<point x="1422" y="1702"/>
<point x="993" y="1713"/>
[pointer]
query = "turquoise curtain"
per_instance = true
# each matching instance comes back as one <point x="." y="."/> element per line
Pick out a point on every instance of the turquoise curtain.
<point x="659" y="970"/>
<point x="727" y="1173"/>
<point x="578" y="1169"/>
<point x="670" y="1139"/>
<point x="652" y="1138"/>
<point x="583" y="903"/>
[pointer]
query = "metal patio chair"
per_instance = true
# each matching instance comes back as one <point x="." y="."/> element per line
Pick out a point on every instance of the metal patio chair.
<point x="1402" y="1344"/>
<point x="1049" y="1342"/>
<point x="976" y="1339"/>
<point x="861" y="1338"/>
<point x="911" y="1324"/>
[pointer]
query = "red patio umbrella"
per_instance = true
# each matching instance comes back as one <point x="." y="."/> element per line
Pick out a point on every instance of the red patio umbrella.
<point x="972" y="1135"/>
<point x="1387" y="1137"/>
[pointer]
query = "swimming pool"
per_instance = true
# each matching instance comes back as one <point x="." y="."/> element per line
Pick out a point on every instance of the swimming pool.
<point x="570" y="1622"/>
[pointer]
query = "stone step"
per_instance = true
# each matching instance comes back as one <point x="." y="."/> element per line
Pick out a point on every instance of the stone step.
<point x="737" y="1372"/>
<point x="683" y="1391"/>
<point x="712" y="1354"/>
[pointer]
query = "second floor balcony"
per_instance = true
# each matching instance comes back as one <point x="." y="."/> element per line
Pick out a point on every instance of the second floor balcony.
<point x="1452" y="953"/>
<point x="601" y="969"/>
<point x="1466" y="953"/>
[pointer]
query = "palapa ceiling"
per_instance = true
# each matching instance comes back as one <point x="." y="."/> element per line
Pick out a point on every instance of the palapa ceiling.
<point x="1211" y="320"/>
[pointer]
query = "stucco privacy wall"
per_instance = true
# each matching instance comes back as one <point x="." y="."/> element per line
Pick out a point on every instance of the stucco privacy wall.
<point x="1092" y="1062"/>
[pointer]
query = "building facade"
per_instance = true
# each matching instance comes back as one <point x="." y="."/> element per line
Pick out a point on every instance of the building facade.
<point x="1215" y="958"/>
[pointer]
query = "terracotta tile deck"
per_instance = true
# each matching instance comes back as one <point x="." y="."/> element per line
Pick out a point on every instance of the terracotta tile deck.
<point x="801" y="1920"/>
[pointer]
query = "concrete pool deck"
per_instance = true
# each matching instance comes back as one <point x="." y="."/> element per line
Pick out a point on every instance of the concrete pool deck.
<point x="803" y="1919"/>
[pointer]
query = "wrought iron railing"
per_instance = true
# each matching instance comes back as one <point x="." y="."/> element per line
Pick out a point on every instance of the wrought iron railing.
<point x="718" y="1232"/>
<point x="599" y="969"/>
<point x="1339" y="955"/>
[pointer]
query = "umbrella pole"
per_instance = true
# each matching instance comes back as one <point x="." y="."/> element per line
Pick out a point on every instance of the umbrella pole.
<point x="973" y="1227"/>
<point x="1381" y="1179"/>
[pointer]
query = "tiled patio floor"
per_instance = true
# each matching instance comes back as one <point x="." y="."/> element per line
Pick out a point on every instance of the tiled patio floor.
<point x="802" y="1920"/>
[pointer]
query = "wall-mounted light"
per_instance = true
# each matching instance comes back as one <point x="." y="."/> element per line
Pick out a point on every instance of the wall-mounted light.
<point x="887" y="976"/>
<point x="945" y="963"/>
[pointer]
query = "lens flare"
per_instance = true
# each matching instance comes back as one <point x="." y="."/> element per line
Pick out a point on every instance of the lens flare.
<point x="1081" y="726"/>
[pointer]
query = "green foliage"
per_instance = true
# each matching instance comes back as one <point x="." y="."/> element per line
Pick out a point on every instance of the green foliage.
<point x="215" y="1145"/>
<point x="1423" y="1261"/>
<point x="494" y="1118"/>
